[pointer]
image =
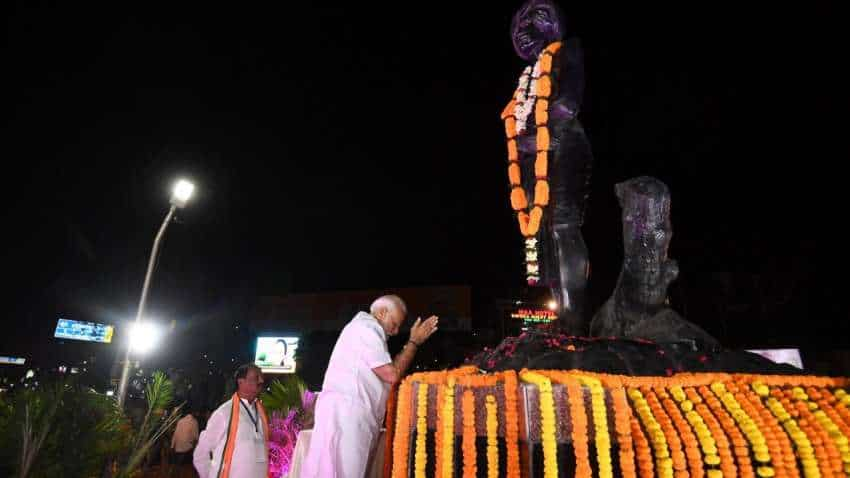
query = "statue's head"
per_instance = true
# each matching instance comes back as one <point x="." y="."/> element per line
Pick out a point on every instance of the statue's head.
<point x="646" y="237"/>
<point x="534" y="26"/>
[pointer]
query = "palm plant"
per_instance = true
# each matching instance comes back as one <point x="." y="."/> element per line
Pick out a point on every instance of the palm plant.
<point x="156" y="423"/>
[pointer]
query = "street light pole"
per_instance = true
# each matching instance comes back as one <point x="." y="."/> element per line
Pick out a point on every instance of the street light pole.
<point x="125" y="370"/>
<point x="180" y="196"/>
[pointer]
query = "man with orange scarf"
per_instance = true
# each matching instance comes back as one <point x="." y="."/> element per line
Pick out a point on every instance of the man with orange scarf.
<point x="235" y="442"/>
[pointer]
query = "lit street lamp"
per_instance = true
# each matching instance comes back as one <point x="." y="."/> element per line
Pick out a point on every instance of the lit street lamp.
<point x="181" y="194"/>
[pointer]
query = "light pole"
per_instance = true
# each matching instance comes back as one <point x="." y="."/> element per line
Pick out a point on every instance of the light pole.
<point x="180" y="196"/>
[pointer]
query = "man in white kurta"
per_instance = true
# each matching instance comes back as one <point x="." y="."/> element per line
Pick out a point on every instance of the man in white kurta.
<point x="249" y="458"/>
<point x="350" y="409"/>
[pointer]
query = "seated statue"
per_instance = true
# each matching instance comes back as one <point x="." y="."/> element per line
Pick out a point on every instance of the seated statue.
<point x="550" y="158"/>
<point x="639" y="307"/>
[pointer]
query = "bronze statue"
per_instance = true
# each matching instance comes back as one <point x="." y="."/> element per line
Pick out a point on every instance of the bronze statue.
<point x="550" y="158"/>
<point x="639" y="307"/>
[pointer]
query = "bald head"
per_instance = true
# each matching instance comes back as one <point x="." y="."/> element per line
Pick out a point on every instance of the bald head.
<point x="390" y="312"/>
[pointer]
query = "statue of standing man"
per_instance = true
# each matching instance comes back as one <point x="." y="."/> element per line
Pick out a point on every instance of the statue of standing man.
<point x="550" y="158"/>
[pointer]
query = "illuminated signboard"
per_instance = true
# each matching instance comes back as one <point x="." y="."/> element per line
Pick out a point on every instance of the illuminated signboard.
<point x="276" y="354"/>
<point x="534" y="316"/>
<point x="86" y="331"/>
<point x="13" y="360"/>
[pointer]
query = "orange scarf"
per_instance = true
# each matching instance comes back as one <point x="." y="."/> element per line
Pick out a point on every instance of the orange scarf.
<point x="232" y="428"/>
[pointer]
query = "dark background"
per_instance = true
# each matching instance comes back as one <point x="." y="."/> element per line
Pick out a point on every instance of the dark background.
<point x="359" y="146"/>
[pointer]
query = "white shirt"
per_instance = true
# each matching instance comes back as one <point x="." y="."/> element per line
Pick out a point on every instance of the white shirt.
<point x="185" y="434"/>
<point x="249" y="457"/>
<point x="361" y="347"/>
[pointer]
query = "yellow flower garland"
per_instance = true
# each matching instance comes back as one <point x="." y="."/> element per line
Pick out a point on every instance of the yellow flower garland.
<point x="780" y="426"/>
<point x="656" y="435"/>
<point x="547" y="422"/>
<point x="706" y="440"/>
<point x="749" y="427"/>
<point x="492" y="437"/>
<point x="421" y="458"/>
<point x="600" y="426"/>
<point x="803" y="446"/>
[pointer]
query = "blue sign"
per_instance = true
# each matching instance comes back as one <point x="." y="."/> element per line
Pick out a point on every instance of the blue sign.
<point x="86" y="331"/>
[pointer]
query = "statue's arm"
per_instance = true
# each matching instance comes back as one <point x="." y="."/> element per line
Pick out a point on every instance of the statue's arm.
<point x="571" y="81"/>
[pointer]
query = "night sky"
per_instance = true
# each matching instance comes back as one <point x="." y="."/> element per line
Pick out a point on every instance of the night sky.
<point x="359" y="146"/>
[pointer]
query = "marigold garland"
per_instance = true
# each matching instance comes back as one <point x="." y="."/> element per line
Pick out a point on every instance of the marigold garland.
<point x="754" y="436"/>
<point x="492" y="437"/>
<point x="801" y="441"/>
<point x="530" y="216"/>
<point x="778" y="444"/>
<point x="740" y="448"/>
<point x="511" y="423"/>
<point x="719" y="425"/>
<point x="656" y="436"/>
<point x="421" y="457"/>
<point x="547" y="422"/>
<point x="718" y="437"/>
<point x="837" y="447"/>
<point x="600" y="426"/>
<point x="448" y="431"/>
<point x="643" y="452"/>
<point x="771" y="447"/>
<point x="674" y="443"/>
<point x="438" y="433"/>
<point x="622" y="418"/>
<point x="402" y="430"/>
<point x="839" y="430"/>
<point x="392" y="402"/>
<point x="825" y="451"/>
<point x="468" y="445"/>
<point x="686" y="433"/>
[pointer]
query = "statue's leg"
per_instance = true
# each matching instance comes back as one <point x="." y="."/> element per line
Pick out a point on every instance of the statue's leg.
<point x="574" y="269"/>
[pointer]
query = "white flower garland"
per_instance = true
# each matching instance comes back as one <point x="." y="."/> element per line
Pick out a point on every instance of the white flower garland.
<point x="527" y="96"/>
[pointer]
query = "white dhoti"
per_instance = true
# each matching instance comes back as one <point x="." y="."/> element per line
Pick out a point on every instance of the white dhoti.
<point x="343" y="439"/>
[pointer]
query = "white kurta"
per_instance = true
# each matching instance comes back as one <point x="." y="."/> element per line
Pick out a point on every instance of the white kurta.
<point x="249" y="456"/>
<point x="351" y="407"/>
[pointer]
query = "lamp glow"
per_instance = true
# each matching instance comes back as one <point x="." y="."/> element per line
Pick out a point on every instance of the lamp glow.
<point x="182" y="193"/>
<point x="143" y="337"/>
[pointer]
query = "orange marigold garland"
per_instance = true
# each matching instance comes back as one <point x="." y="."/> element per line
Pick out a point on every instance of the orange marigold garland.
<point x="745" y="425"/>
<point x="492" y="437"/>
<point x="537" y="81"/>
<point x="392" y="402"/>
<point x="448" y="430"/>
<point x="402" y="429"/>
<point x="578" y="416"/>
<point x="468" y="445"/>
<point x="656" y="435"/>
<point x="674" y="443"/>
<point x="686" y="433"/>
<point x="438" y="433"/>
<point x="755" y="437"/>
<point x="803" y="445"/>
<point x="643" y="452"/>
<point x="511" y="423"/>
<point x="622" y="418"/>
<point x="718" y="437"/>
